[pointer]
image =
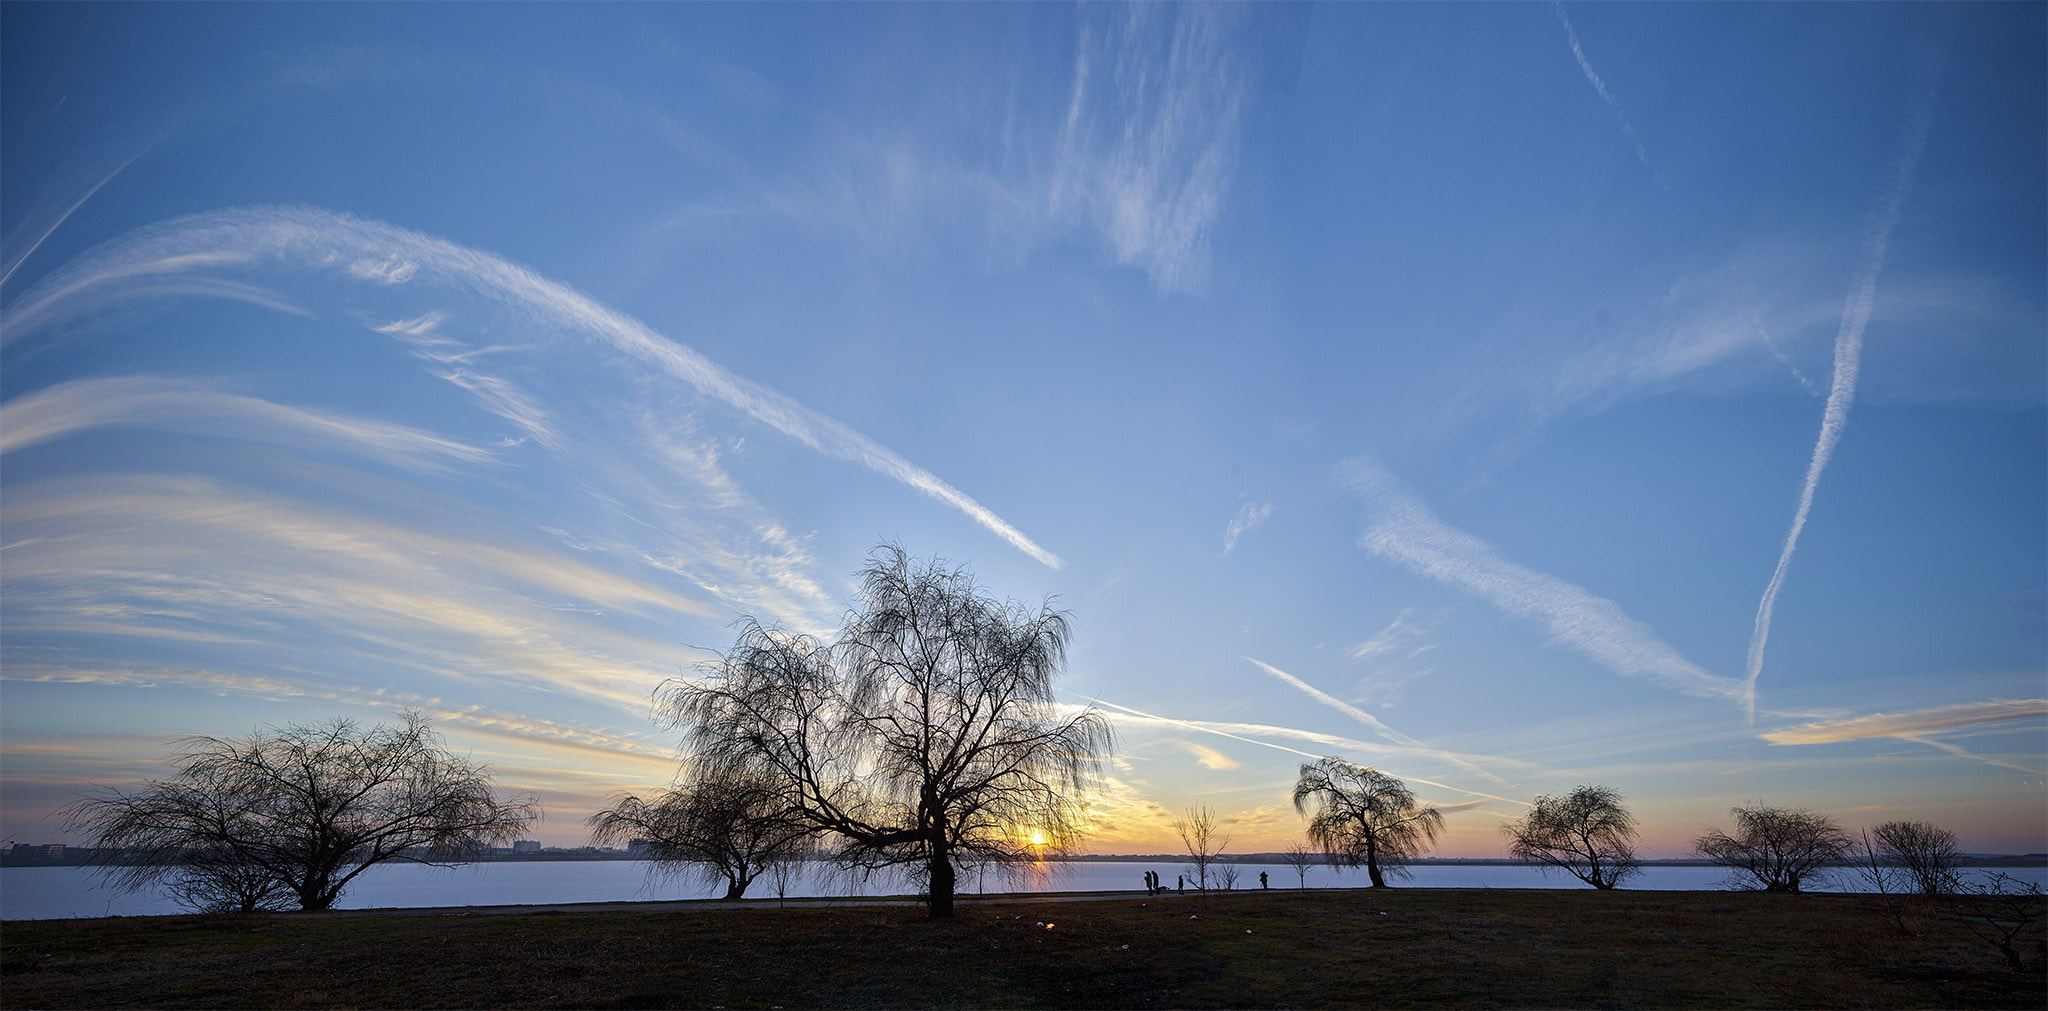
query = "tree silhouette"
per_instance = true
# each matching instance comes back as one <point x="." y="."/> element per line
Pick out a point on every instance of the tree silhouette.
<point x="1203" y="841"/>
<point x="1364" y="817"/>
<point x="1586" y="833"/>
<point x="1774" y="848"/>
<point x="1927" y="853"/>
<point x="722" y="830"/>
<point x="302" y="809"/>
<point x="926" y="737"/>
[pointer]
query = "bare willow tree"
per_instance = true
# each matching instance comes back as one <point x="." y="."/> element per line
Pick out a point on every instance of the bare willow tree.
<point x="1586" y="833"/>
<point x="1203" y="840"/>
<point x="925" y="738"/>
<point x="1775" y="849"/>
<point x="301" y="809"/>
<point x="1364" y="817"/>
<point x="723" y="831"/>
<point x="1928" y="854"/>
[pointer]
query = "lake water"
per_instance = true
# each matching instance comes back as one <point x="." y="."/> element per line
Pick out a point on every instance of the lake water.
<point x="31" y="893"/>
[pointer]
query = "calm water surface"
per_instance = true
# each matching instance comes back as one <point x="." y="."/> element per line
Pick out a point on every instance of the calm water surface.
<point x="30" y="893"/>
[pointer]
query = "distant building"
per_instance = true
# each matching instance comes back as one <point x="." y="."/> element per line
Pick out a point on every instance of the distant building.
<point x="526" y="846"/>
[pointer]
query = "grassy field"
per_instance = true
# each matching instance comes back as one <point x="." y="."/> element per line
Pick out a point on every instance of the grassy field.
<point x="1418" y="947"/>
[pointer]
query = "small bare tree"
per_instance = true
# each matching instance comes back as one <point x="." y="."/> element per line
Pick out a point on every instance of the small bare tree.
<point x="1300" y="857"/>
<point x="1364" y="817"/>
<point x="1204" y="842"/>
<point x="1926" y="853"/>
<point x="1586" y="833"/>
<point x="727" y="831"/>
<point x="1775" y="849"/>
<point x="781" y="870"/>
<point x="1227" y="874"/>
<point x="301" y="809"/>
<point x="1877" y="872"/>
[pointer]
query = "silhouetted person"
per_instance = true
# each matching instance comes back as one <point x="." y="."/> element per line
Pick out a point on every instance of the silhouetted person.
<point x="1262" y="880"/>
<point x="1181" y="882"/>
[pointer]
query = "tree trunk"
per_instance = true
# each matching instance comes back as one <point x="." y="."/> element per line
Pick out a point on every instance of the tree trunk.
<point x="941" y="885"/>
<point x="1372" y="870"/>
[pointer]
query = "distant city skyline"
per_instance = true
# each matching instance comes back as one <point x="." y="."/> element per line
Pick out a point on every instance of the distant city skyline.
<point x="1504" y="397"/>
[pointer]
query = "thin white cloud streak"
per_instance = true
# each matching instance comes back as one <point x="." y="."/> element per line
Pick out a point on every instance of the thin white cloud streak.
<point x="1779" y="353"/>
<point x="1848" y="357"/>
<point x="1248" y="517"/>
<point x="1402" y="530"/>
<point x="1579" y="54"/>
<point x="1245" y="731"/>
<point x="1959" y="752"/>
<point x="67" y="408"/>
<point x="323" y="239"/>
<point x="1921" y="725"/>
<point x="1371" y="721"/>
<point x="1914" y="723"/>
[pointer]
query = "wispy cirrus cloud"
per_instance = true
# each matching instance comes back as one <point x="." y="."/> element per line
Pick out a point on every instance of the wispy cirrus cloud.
<point x="194" y="559"/>
<point x="1390" y="655"/>
<point x="1207" y="757"/>
<point x="1403" y="530"/>
<point x="1248" y="518"/>
<point x="1965" y="716"/>
<point x="1856" y="309"/>
<point x="387" y="255"/>
<point x="456" y="362"/>
<point x="64" y="409"/>
<point x="1924" y="726"/>
<point x="1135" y="154"/>
<point x="1150" y="141"/>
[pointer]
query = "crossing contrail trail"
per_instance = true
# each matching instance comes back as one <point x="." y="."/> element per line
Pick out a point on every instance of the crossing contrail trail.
<point x="1848" y="359"/>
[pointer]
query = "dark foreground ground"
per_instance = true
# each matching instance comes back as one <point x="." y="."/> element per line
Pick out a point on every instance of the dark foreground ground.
<point x="1432" y="948"/>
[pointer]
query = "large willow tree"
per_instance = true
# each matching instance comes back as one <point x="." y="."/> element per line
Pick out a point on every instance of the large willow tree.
<point x="926" y="737"/>
<point x="1364" y="817"/>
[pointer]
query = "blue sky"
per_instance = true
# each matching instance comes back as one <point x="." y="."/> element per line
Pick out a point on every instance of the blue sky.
<point x="1507" y="397"/>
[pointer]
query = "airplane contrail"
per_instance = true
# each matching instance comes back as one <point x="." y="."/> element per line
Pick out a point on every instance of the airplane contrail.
<point x="1848" y="360"/>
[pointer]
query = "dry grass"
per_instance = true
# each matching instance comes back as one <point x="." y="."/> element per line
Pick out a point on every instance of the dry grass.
<point x="1426" y="947"/>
